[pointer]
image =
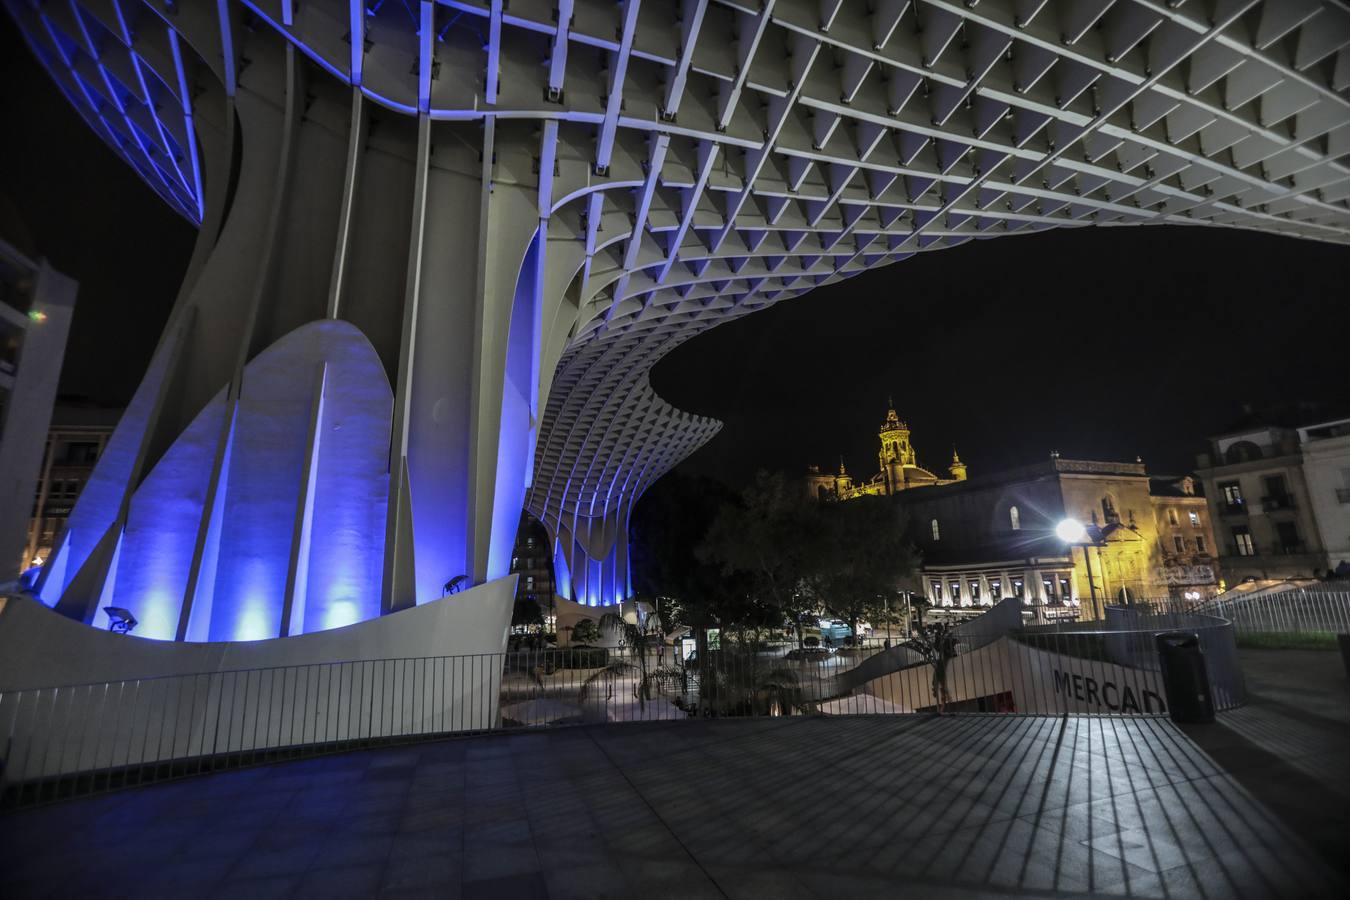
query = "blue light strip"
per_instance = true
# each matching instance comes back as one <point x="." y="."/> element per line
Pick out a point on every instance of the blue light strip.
<point x="62" y="57"/>
<point x="118" y="93"/>
<point x="189" y="128"/>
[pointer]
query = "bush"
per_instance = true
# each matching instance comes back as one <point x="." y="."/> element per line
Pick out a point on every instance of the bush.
<point x="551" y="659"/>
<point x="581" y="657"/>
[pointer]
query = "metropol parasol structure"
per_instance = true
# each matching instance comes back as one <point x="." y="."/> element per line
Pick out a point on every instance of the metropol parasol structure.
<point x="442" y="244"/>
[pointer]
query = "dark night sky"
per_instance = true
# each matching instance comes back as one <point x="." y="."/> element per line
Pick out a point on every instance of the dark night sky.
<point x="66" y="196"/>
<point x="1099" y="342"/>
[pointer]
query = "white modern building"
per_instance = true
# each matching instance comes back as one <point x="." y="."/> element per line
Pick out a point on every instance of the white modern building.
<point x="442" y="244"/>
<point x="1326" y="469"/>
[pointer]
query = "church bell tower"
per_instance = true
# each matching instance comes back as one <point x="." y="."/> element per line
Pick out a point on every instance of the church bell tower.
<point x="896" y="452"/>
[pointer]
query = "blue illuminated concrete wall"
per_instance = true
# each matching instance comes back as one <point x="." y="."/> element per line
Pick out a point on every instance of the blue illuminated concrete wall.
<point x="297" y="524"/>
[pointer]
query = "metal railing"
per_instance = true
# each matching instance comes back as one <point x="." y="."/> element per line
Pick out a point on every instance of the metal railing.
<point x="70" y="740"/>
<point x="1306" y="612"/>
<point x="60" y="741"/>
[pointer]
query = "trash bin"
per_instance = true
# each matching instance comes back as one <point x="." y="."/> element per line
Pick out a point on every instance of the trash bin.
<point x="1185" y="680"/>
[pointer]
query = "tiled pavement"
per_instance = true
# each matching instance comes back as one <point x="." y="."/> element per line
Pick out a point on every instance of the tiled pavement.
<point x="785" y="808"/>
<point x="1290" y="744"/>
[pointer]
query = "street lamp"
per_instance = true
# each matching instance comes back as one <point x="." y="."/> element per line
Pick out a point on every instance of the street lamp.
<point x="1072" y="532"/>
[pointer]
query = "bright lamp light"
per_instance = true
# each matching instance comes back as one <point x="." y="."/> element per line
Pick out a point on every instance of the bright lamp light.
<point x="1071" y="531"/>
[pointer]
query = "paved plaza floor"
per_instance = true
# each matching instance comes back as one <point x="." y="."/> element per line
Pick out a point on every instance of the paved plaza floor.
<point x="884" y="806"/>
<point x="1289" y="745"/>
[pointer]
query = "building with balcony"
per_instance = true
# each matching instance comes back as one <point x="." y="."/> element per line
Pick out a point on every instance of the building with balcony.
<point x="75" y="441"/>
<point x="36" y="306"/>
<point x="1273" y="520"/>
<point x="532" y="561"/>
<point x="1326" y="470"/>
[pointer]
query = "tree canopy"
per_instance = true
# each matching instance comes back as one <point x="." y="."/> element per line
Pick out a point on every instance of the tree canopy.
<point x="768" y="557"/>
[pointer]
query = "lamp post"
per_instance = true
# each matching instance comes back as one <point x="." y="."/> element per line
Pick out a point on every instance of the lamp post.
<point x="1072" y="532"/>
<point x="888" y="620"/>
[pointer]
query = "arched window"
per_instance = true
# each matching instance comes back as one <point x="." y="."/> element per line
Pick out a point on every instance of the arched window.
<point x="937" y="534"/>
<point x="1014" y="518"/>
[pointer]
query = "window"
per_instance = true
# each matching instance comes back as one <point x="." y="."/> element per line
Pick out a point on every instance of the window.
<point x="1275" y="485"/>
<point x="956" y="591"/>
<point x="1048" y="584"/>
<point x="1014" y="519"/>
<point x="1195" y="519"/>
<point x="1242" y="541"/>
<point x="937" y="534"/>
<point x="1064" y="590"/>
<point x="937" y="590"/>
<point x="995" y="589"/>
<point x="1172" y="518"/>
<point x="1019" y="590"/>
<point x="1179" y="543"/>
<point x="975" y="590"/>
<point x="76" y="453"/>
<point x="1289" y="539"/>
<point x="1200" y="544"/>
<point x="1232" y="494"/>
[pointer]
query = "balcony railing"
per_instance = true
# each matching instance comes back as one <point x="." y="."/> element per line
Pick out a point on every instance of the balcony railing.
<point x="1233" y="509"/>
<point x="1277" y="501"/>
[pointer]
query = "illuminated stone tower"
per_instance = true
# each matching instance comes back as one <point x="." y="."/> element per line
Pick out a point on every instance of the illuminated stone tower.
<point x="896" y="453"/>
<point x="843" y="482"/>
<point x="957" y="468"/>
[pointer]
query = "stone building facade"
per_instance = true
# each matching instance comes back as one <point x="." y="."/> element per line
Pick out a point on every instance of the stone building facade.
<point x="994" y="536"/>
<point x="1281" y="498"/>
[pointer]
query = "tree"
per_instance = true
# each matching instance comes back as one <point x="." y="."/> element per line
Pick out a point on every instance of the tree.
<point x="864" y="557"/>
<point x="772" y="535"/>
<point x="585" y="631"/>
<point x="638" y="637"/>
<point x="920" y="605"/>
<point x="670" y="521"/>
<point x="937" y="645"/>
